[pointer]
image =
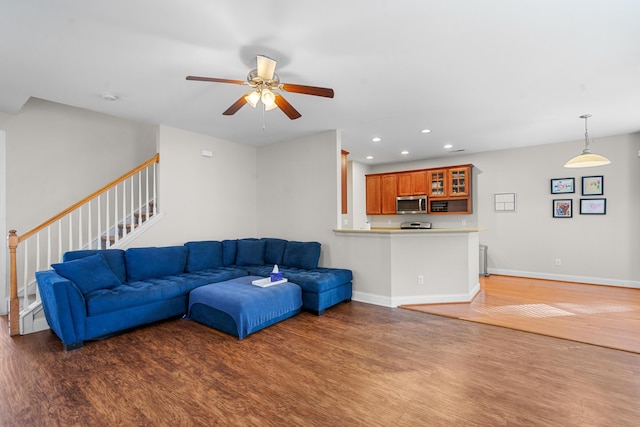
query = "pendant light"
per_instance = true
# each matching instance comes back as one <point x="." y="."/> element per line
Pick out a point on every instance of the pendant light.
<point x="587" y="159"/>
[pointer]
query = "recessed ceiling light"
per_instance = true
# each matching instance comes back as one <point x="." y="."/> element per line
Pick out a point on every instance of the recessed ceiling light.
<point x="377" y="139"/>
<point x="425" y="131"/>
<point x="369" y="157"/>
<point x="404" y="152"/>
<point x="109" y="96"/>
<point x="448" y="146"/>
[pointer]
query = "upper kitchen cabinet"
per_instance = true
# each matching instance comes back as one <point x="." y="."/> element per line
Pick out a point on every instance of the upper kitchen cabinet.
<point x="449" y="182"/>
<point x="450" y="190"/>
<point x="374" y="194"/>
<point x="412" y="183"/>
<point x="381" y="194"/>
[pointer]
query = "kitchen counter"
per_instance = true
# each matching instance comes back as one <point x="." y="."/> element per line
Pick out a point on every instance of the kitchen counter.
<point x="393" y="266"/>
<point x="380" y="230"/>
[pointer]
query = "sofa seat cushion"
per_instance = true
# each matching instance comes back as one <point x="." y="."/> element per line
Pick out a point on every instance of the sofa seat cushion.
<point x="89" y="273"/>
<point x="317" y="280"/>
<point x="139" y="293"/>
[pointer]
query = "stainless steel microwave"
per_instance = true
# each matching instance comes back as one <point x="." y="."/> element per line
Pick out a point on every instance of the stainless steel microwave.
<point x="411" y="204"/>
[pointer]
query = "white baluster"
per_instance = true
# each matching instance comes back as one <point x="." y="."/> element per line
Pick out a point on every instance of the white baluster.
<point x="48" y="247"/>
<point x="155" y="199"/>
<point x="59" y="240"/>
<point x="80" y="227"/>
<point x="26" y="271"/>
<point x="146" y="187"/>
<point x="139" y="198"/>
<point x="116" y="231"/>
<point x="124" y="209"/>
<point x="89" y="234"/>
<point x="70" y="232"/>
<point x="99" y="222"/>
<point x="133" y="218"/>
<point x="108" y="223"/>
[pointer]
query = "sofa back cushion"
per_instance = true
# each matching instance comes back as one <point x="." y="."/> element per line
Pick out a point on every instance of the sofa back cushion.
<point x="147" y="263"/>
<point x="203" y="255"/>
<point x="89" y="273"/>
<point x="113" y="257"/>
<point x="274" y="250"/>
<point x="250" y="252"/>
<point x="302" y="255"/>
<point x="229" y="252"/>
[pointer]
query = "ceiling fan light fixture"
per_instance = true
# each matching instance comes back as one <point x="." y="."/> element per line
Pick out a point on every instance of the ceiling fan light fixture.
<point x="268" y="98"/>
<point x="252" y="98"/>
<point x="587" y="159"/>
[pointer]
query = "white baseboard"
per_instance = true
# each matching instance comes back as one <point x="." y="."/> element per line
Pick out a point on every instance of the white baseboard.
<point x="416" y="299"/>
<point x="568" y="278"/>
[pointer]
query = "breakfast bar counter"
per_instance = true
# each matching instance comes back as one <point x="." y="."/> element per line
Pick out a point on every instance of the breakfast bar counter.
<point x="393" y="266"/>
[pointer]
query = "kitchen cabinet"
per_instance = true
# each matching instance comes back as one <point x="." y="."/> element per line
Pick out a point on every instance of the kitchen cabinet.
<point x="374" y="194"/>
<point x="389" y="194"/>
<point x="381" y="194"/>
<point x="437" y="183"/>
<point x="448" y="190"/>
<point x="412" y="183"/>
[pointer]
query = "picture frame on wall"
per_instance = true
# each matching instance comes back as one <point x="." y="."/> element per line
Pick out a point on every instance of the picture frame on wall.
<point x="562" y="208"/>
<point x="593" y="185"/>
<point x="593" y="206"/>
<point x="563" y="185"/>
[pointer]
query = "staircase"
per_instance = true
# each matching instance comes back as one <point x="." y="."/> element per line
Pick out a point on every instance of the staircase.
<point x="108" y="218"/>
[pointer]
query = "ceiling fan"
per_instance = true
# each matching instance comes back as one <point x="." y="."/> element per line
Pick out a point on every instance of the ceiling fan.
<point x="265" y="85"/>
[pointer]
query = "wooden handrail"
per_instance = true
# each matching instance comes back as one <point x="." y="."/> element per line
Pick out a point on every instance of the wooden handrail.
<point x="13" y="241"/>
<point x="154" y="159"/>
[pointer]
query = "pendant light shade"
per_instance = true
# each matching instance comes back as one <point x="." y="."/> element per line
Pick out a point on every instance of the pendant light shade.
<point x="587" y="159"/>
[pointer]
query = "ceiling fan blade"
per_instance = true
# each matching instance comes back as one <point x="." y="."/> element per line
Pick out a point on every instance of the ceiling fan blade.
<point x="213" y="79"/>
<point x="266" y="67"/>
<point x="287" y="108"/>
<point x="235" y="107"/>
<point x="307" y="90"/>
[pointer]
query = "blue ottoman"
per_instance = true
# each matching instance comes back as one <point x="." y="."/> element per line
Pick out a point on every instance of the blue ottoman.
<point x="239" y="308"/>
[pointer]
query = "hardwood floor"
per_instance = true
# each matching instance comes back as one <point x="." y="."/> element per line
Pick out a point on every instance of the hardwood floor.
<point x="592" y="314"/>
<point x="358" y="365"/>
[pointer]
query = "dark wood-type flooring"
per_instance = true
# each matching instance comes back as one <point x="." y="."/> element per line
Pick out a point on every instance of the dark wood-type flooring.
<point x="358" y="365"/>
<point x="600" y="315"/>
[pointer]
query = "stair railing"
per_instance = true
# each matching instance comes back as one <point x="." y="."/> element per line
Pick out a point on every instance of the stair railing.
<point x="98" y="221"/>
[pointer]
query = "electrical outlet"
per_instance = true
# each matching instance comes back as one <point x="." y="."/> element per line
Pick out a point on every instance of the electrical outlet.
<point x="389" y="222"/>
<point x="558" y="261"/>
<point x="421" y="280"/>
<point x="464" y="222"/>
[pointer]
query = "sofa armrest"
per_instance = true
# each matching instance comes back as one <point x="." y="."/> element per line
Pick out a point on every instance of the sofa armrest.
<point x="64" y="306"/>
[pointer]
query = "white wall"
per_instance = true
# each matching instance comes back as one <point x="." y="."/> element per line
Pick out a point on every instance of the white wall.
<point x="601" y="249"/>
<point x="203" y="198"/>
<point x="4" y="253"/>
<point x="299" y="190"/>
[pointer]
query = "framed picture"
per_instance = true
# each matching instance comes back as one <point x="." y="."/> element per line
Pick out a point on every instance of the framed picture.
<point x="593" y="206"/>
<point x="562" y="208"/>
<point x="593" y="185"/>
<point x="563" y="185"/>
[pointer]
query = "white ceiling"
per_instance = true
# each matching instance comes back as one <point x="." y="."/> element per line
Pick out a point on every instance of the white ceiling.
<point x="482" y="75"/>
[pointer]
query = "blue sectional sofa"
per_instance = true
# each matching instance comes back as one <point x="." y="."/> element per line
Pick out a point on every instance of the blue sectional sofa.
<point x="95" y="293"/>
